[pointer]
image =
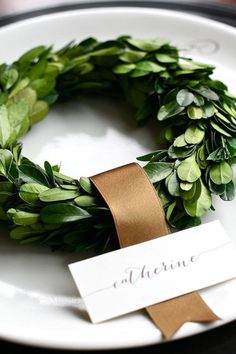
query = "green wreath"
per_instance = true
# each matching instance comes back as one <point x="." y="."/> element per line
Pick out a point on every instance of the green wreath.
<point x="196" y="118"/>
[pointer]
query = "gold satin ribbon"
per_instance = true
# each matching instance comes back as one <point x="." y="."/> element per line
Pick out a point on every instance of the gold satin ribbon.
<point x="139" y="217"/>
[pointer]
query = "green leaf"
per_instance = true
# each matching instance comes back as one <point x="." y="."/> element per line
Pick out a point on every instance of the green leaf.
<point x="30" y="55"/>
<point x="153" y="156"/>
<point x="207" y="93"/>
<point x="5" y="128"/>
<point x="149" y="66"/>
<point x="158" y="171"/>
<point x="186" y="186"/>
<point x="123" y="68"/>
<point x="57" y="194"/>
<point x="49" y="171"/>
<point x="232" y="143"/>
<point x="201" y="157"/>
<point x="221" y="173"/>
<point x="194" y="135"/>
<point x="22" y="232"/>
<point x="3" y="97"/>
<point x="31" y="239"/>
<point x="9" y="78"/>
<point x="138" y="73"/>
<point x="43" y="86"/>
<point x="106" y="52"/>
<point x="6" y="159"/>
<point x="173" y="185"/>
<point x="169" y="110"/>
<point x="70" y="187"/>
<point x="28" y="96"/>
<point x="201" y="205"/>
<point x="37" y="70"/>
<point x="218" y="85"/>
<point x="208" y="110"/>
<point x="86" y="185"/>
<point x="219" y="154"/>
<point x="86" y="201"/>
<point x="193" y="193"/>
<point x="170" y="211"/>
<point x="188" y="170"/>
<point x="180" y="152"/>
<point x="132" y="56"/>
<point x="29" y="192"/>
<point x="189" y="195"/>
<point x="222" y="117"/>
<point x="229" y="192"/>
<point x="219" y="129"/>
<point x="191" y="65"/>
<point x="62" y="213"/>
<point x="62" y="177"/>
<point x="165" y="58"/>
<point x="180" y="141"/>
<point x="217" y="189"/>
<point x="198" y="100"/>
<point x="39" y="111"/>
<point x="20" y="217"/>
<point x="20" y="85"/>
<point x="147" y="45"/>
<point x="230" y="108"/>
<point x="184" y="98"/>
<point x="194" y="112"/>
<point x="33" y="174"/>
<point x="18" y="117"/>
<point x="169" y="134"/>
<point x="16" y="151"/>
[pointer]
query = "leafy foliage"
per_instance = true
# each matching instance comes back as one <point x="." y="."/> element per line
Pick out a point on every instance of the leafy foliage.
<point x="196" y="116"/>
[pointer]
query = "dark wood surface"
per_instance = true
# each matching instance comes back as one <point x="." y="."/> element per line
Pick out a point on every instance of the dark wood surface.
<point x="221" y="340"/>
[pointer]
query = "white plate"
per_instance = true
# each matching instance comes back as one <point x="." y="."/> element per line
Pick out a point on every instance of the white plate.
<point x="38" y="299"/>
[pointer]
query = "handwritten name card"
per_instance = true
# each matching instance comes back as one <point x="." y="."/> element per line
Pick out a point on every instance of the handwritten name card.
<point x="135" y="277"/>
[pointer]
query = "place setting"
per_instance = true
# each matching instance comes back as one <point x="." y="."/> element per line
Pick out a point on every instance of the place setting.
<point x="117" y="177"/>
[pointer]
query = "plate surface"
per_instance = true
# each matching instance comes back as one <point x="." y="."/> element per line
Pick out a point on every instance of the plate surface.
<point x="39" y="304"/>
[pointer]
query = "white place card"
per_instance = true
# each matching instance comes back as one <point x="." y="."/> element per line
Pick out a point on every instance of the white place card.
<point x="132" y="278"/>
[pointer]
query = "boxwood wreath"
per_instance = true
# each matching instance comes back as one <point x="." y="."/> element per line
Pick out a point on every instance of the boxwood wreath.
<point x="196" y="117"/>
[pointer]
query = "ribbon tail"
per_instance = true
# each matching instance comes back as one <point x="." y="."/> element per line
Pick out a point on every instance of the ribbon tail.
<point x="170" y="315"/>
